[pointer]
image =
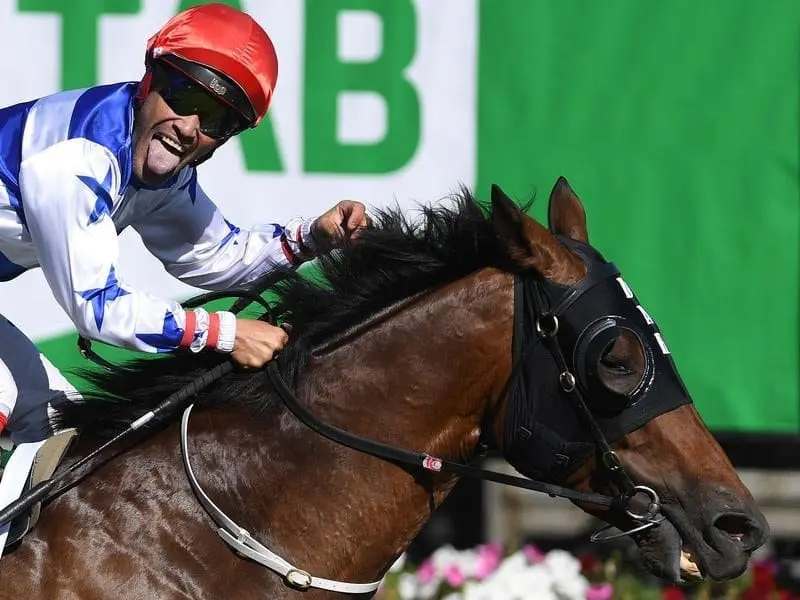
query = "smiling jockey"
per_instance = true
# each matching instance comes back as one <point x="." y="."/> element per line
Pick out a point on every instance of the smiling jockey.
<point x="78" y="167"/>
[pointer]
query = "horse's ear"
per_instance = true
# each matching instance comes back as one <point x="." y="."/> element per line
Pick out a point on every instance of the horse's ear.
<point x="528" y="243"/>
<point x="508" y="224"/>
<point x="565" y="214"/>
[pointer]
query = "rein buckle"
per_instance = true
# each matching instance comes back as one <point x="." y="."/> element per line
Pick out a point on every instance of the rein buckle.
<point x="299" y="579"/>
<point x="612" y="462"/>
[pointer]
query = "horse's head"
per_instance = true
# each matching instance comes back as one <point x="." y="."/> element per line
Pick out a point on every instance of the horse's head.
<point x="592" y="367"/>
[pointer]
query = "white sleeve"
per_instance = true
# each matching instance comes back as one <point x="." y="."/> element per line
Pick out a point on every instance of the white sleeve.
<point x="68" y="194"/>
<point x="190" y="236"/>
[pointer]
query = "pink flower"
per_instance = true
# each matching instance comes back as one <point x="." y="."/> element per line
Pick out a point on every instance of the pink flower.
<point x="487" y="561"/>
<point x="485" y="566"/>
<point x="601" y="591"/>
<point x="454" y="577"/>
<point x="494" y="550"/>
<point x="426" y="571"/>
<point x="533" y="554"/>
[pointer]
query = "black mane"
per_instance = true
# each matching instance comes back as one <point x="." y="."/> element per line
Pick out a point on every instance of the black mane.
<point x="394" y="259"/>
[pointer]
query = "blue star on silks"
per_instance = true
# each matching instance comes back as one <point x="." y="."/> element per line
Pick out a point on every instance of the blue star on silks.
<point x="103" y="192"/>
<point x="100" y="297"/>
<point x="233" y="231"/>
<point x="169" y="338"/>
<point x="191" y="186"/>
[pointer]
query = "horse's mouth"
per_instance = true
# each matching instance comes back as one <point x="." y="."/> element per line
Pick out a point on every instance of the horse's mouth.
<point x="677" y="551"/>
<point x="689" y="567"/>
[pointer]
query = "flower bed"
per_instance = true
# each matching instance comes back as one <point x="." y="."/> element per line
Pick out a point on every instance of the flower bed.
<point x="488" y="573"/>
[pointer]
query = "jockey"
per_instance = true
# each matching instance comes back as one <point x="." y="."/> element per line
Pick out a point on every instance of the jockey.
<point x="78" y="167"/>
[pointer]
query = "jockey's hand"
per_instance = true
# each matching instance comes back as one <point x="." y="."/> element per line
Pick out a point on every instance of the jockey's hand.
<point x="256" y="342"/>
<point x="340" y="222"/>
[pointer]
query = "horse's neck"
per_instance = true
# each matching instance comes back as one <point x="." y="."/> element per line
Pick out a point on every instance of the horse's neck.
<point x="419" y="380"/>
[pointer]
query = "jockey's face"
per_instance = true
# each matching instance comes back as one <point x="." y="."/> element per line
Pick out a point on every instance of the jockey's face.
<point x="165" y="142"/>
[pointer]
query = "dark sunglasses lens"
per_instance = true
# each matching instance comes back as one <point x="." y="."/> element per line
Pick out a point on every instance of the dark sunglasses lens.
<point x="185" y="98"/>
<point x="220" y="124"/>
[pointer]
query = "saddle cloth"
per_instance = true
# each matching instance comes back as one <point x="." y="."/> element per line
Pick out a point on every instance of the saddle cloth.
<point x="29" y="465"/>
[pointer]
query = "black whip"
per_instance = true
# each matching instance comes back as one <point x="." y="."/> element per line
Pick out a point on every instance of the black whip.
<point x="39" y="492"/>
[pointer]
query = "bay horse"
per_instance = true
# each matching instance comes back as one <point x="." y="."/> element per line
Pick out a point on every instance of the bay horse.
<point x="475" y="326"/>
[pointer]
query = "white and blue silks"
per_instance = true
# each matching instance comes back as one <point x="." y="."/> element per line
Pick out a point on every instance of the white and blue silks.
<point x="67" y="190"/>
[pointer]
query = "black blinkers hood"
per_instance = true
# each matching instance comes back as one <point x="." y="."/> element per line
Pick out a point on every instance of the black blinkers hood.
<point x="546" y="434"/>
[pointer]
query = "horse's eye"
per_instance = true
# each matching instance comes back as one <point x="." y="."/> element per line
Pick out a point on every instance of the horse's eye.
<point x="615" y="365"/>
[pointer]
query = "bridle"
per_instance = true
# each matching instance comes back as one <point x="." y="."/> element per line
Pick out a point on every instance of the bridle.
<point x="530" y="297"/>
<point x="532" y="301"/>
<point x="545" y="316"/>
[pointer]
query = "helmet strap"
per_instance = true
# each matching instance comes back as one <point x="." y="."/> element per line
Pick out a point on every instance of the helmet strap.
<point x="144" y="85"/>
<point x="197" y="162"/>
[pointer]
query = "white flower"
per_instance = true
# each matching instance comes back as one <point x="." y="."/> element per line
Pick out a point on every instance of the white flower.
<point x="533" y="582"/>
<point x="556" y="577"/>
<point x="562" y="563"/>
<point x="565" y="570"/>
<point x="444" y="557"/>
<point x="488" y="589"/>
<point x="574" y="588"/>
<point x="514" y="579"/>
<point x="408" y="586"/>
<point x="474" y="590"/>
<point x="427" y="591"/>
<point x="513" y="565"/>
<point x="467" y="562"/>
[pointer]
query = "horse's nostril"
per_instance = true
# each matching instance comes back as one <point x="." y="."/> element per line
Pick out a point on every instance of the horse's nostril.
<point x="732" y="524"/>
<point x="740" y="526"/>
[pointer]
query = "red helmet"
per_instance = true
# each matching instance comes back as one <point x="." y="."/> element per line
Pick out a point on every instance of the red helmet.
<point x="217" y="46"/>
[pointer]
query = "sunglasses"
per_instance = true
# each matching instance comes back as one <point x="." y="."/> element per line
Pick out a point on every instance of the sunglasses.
<point x="186" y="97"/>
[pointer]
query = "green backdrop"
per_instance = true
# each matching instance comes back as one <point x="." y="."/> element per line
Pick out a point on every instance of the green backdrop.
<point x="677" y="124"/>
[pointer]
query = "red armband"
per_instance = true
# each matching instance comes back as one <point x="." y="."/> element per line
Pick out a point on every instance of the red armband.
<point x="189" y="329"/>
<point x="293" y="259"/>
<point x="213" y="331"/>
